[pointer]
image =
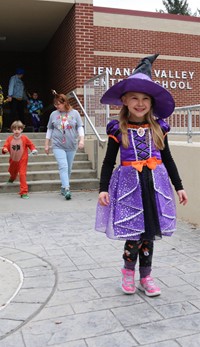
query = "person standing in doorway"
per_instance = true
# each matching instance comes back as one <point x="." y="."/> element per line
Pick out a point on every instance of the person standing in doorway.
<point x="65" y="131"/>
<point x="2" y="102"/>
<point x="17" y="96"/>
<point x="35" y="107"/>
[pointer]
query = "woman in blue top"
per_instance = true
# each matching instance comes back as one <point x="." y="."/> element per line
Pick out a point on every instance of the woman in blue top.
<point x="17" y="96"/>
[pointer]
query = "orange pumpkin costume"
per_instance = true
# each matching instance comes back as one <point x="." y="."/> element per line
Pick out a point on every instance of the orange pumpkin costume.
<point x="18" y="149"/>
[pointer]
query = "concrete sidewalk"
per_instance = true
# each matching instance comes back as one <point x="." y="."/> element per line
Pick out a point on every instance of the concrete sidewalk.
<point x="60" y="280"/>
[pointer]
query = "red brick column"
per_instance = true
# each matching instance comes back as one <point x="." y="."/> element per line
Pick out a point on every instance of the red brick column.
<point x="70" y="53"/>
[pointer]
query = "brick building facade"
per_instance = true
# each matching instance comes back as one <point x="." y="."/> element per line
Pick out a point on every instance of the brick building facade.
<point x="92" y="39"/>
<point x="122" y="37"/>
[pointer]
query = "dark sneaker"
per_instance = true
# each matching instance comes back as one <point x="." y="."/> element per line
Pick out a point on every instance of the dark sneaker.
<point x="62" y="191"/>
<point x="24" y="196"/>
<point x="10" y="180"/>
<point x="67" y="194"/>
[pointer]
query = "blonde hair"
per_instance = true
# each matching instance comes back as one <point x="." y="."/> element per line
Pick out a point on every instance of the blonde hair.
<point x="157" y="134"/>
<point x="17" y="124"/>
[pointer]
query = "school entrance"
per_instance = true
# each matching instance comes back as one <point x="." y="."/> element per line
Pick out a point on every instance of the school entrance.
<point x="61" y="44"/>
<point x="42" y="38"/>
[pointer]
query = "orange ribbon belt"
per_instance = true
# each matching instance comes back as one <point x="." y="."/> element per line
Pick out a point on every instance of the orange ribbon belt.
<point x="151" y="163"/>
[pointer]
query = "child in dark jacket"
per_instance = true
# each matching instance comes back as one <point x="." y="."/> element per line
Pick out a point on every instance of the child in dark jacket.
<point x="35" y="107"/>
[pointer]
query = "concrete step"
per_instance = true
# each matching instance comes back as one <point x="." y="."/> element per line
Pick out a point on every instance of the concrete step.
<point x="42" y="171"/>
<point x="42" y="157"/>
<point x="37" y="142"/>
<point x="51" y="175"/>
<point x="51" y="186"/>
<point x="31" y="135"/>
<point x="49" y="165"/>
<point x="41" y="150"/>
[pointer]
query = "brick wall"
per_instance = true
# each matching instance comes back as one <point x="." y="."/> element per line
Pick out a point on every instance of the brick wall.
<point x="84" y="43"/>
<point x="182" y="96"/>
<point x="70" y="54"/>
<point x="182" y="50"/>
<point x="117" y="39"/>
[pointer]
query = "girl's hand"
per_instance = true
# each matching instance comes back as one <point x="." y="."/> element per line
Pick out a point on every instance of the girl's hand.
<point x="183" y="199"/>
<point x="104" y="199"/>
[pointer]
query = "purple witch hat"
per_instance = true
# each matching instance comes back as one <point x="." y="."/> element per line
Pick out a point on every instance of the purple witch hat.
<point x="140" y="81"/>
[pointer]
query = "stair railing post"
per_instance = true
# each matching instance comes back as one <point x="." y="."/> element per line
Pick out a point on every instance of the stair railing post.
<point x="189" y="130"/>
<point x="88" y="118"/>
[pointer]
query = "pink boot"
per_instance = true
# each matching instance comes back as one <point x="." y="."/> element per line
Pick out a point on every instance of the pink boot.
<point x="128" y="284"/>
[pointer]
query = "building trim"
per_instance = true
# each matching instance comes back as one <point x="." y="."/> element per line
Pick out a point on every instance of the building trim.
<point x="146" y="14"/>
<point x="137" y="55"/>
<point x="150" y="23"/>
<point x="83" y="2"/>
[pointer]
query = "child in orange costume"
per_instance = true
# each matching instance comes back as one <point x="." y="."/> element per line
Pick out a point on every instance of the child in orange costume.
<point x="17" y="145"/>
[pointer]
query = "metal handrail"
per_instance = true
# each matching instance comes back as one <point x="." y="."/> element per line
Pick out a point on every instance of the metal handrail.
<point x="191" y="107"/>
<point x="189" y="132"/>
<point x="73" y="94"/>
<point x="106" y="74"/>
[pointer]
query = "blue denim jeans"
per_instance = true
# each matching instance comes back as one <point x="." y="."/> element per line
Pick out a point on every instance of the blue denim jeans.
<point x="65" y="161"/>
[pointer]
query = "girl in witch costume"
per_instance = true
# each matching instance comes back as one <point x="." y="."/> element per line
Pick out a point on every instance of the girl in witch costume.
<point x="136" y="201"/>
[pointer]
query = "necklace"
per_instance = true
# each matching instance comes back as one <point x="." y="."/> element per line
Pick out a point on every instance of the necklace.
<point x="140" y="127"/>
<point x="140" y="132"/>
<point x="63" y="121"/>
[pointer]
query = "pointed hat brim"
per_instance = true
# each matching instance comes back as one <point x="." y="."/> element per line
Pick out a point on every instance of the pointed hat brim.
<point x="163" y="105"/>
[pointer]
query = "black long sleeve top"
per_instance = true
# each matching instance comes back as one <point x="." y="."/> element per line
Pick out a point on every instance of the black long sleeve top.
<point x="110" y="161"/>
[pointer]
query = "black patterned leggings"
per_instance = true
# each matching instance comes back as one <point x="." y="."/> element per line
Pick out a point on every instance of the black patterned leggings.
<point x="143" y="249"/>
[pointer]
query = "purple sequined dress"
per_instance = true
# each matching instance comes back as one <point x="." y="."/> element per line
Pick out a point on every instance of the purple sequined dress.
<point x="142" y="204"/>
